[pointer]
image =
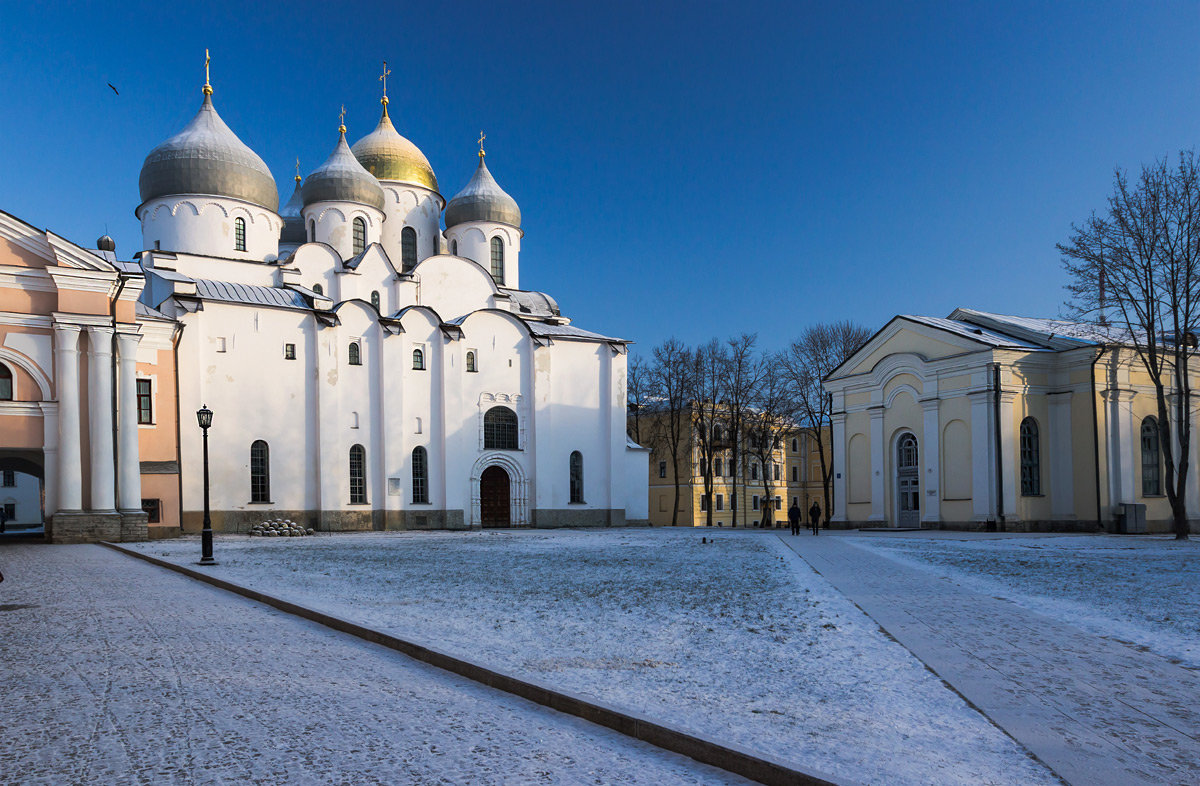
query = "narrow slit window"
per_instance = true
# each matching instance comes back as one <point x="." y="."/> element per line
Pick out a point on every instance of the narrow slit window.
<point x="576" y="478"/>
<point x="358" y="475"/>
<point x="239" y="234"/>
<point x="420" y="476"/>
<point x="408" y="249"/>
<point x="260" y="472"/>
<point x="360" y="236"/>
<point x="498" y="260"/>
<point x="145" y="402"/>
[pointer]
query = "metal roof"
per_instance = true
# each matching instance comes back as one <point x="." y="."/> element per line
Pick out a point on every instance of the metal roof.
<point x="230" y="292"/>
<point x="482" y="199"/>
<point x="567" y="331"/>
<point x="974" y="332"/>
<point x="537" y="304"/>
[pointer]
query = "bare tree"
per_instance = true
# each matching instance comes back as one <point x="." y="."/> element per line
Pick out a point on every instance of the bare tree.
<point x="708" y="390"/>
<point x="669" y="380"/>
<point x="767" y="421"/>
<point x="637" y="391"/>
<point x="809" y="359"/>
<point x="742" y="374"/>
<point x="1136" y="270"/>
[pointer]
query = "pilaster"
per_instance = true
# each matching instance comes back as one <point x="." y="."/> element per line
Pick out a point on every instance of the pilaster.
<point x="877" y="466"/>
<point x="931" y="452"/>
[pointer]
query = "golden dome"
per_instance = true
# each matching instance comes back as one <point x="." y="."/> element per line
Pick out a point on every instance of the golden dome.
<point x="389" y="156"/>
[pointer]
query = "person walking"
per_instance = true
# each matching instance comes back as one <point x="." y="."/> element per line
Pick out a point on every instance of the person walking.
<point x="794" y="517"/>
<point x="814" y="516"/>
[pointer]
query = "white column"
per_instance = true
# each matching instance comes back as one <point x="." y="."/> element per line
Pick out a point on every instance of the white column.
<point x="50" y="456"/>
<point x="1008" y="455"/>
<point x="838" y="448"/>
<point x="1057" y="459"/>
<point x="100" y="411"/>
<point x="983" y="474"/>
<point x="129" y="473"/>
<point x="877" y="465"/>
<point x="1122" y="448"/>
<point x="931" y="450"/>
<point x="66" y="386"/>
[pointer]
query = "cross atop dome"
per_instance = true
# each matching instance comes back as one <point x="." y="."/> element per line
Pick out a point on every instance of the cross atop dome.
<point x="383" y="78"/>
<point x="207" y="89"/>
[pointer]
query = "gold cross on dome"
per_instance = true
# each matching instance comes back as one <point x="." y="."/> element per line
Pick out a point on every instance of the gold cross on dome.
<point x="207" y="86"/>
<point x="342" y="119"/>
<point x="482" y="136"/>
<point x="297" y="167"/>
<point x="383" y="78"/>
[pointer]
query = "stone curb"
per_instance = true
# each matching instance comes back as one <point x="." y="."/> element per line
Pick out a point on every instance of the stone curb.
<point x="732" y="759"/>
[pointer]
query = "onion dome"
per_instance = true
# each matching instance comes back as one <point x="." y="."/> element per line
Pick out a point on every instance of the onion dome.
<point x="206" y="157"/>
<point x="483" y="200"/>
<point x="389" y="156"/>
<point x="342" y="179"/>
<point x="106" y="243"/>
<point x="293" y="222"/>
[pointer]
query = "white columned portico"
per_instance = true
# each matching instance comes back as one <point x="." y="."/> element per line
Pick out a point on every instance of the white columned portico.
<point x="100" y="400"/>
<point x="877" y="454"/>
<point x="129" y="474"/>
<point x="983" y="452"/>
<point x="839" y="466"/>
<point x="931" y="450"/>
<point x="1062" y="476"/>
<point x="66" y="385"/>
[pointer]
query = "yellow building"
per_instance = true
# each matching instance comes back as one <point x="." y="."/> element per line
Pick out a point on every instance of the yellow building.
<point x="790" y="473"/>
<point x="984" y="420"/>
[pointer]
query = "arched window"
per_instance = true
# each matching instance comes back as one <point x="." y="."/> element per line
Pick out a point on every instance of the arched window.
<point x="471" y="362"/>
<point x="418" y="360"/>
<point x="795" y="445"/>
<point x="312" y="231"/>
<point x="6" y="383"/>
<point x="320" y="290"/>
<point x="408" y="248"/>
<point x="420" y="472"/>
<point x="260" y="472"/>
<point x="239" y="234"/>
<point x="454" y="247"/>
<point x="375" y="299"/>
<point x="1031" y="459"/>
<point x="500" y="429"/>
<point x="355" y="354"/>
<point x="358" y="475"/>
<point x="360" y="235"/>
<point x="1151" y="477"/>
<point x="718" y="470"/>
<point x="498" y="260"/>
<point x="907" y="451"/>
<point x="576" y="477"/>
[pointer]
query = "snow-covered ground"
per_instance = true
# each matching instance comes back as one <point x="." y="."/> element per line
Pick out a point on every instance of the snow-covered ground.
<point x="736" y="640"/>
<point x="1141" y="589"/>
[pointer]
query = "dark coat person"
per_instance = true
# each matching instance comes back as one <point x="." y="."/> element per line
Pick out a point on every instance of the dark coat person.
<point x="794" y="518"/>
<point x="814" y="517"/>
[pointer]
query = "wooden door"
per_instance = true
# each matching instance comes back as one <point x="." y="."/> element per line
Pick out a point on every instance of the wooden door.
<point x="494" y="502"/>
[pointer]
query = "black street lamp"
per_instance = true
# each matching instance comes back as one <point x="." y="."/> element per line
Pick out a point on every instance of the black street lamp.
<point x="204" y="418"/>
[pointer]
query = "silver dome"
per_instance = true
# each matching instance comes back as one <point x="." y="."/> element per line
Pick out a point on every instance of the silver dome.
<point x="293" y="222"/>
<point x="483" y="200"/>
<point x="342" y="179"/>
<point x="206" y="157"/>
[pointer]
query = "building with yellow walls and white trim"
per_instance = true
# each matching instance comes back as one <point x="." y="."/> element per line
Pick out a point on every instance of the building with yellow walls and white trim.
<point x="982" y="420"/>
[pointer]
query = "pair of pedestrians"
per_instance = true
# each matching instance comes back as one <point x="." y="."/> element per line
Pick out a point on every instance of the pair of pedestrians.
<point x="814" y="517"/>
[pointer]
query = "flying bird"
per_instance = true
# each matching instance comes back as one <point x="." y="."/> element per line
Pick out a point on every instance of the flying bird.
<point x="110" y="84"/>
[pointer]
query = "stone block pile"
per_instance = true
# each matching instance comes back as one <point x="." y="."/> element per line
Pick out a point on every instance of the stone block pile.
<point x="280" y="528"/>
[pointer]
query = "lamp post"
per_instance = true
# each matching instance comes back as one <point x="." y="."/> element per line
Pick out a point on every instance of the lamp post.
<point x="204" y="418"/>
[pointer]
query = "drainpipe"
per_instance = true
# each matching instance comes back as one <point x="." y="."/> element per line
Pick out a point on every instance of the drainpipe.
<point x="1096" y="435"/>
<point x="999" y="449"/>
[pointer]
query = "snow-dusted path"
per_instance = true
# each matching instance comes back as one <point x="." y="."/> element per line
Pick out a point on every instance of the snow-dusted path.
<point x="114" y="671"/>
<point x="1094" y="710"/>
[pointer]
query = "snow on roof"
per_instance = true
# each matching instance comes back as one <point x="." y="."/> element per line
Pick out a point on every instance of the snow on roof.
<point x="230" y="292"/>
<point x="973" y="332"/>
<point x="536" y="303"/>
<point x="1047" y="330"/>
<point x="567" y="331"/>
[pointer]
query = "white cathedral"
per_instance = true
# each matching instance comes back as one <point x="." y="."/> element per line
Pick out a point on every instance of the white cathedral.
<point x="368" y="369"/>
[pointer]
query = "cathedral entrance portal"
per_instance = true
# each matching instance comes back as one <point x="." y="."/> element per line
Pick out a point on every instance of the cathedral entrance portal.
<point x="495" y="509"/>
<point x="908" y="483"/>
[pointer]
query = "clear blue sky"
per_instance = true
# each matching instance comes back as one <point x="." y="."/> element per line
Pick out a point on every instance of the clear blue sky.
<point x="690" y="169"/>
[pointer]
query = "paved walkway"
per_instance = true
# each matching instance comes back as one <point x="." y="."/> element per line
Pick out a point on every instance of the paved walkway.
<point x="1094" y="710"/>
<point x="114" y="671"/>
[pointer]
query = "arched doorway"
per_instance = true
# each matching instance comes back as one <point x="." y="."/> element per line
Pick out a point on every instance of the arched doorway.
<point x="22" y="492"/>
<point x="495" y="509"/>
<point x="908" y="482"/>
